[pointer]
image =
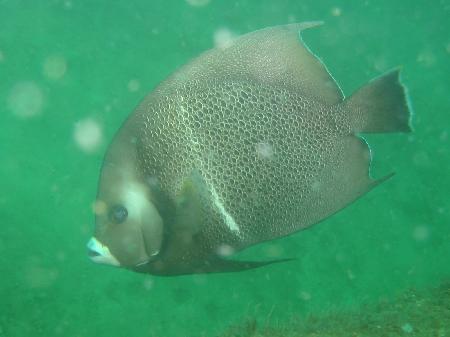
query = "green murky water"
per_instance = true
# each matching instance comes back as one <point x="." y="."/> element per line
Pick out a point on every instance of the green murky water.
<point x="71" y="71"/>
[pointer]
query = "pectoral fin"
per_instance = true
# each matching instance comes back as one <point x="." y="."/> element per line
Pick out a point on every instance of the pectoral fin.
<point x="188" y="203"/>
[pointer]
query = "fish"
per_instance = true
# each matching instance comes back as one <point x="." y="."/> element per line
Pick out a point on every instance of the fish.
<point x="246" y="143"/>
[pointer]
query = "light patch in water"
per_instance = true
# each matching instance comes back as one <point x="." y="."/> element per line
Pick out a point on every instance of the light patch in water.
<point x="274" y="251"/>
<point x="380" y="63"/>
<point x="350" y="274"/>
<point x="198" y="3"/>
<point x="421" y="233"/>
<point x="336" y="11"/>
<point x="223" y="38"/>
<point x="2" y="56"/>
<point x="408" y="328"/>
<point x="148" y="283"/>
<point x="55" y="67"/>
<point x="26" y="99"/>
<point x="38" y="277"/>
<point x="133" y="85"/>
<point x="68" y="4"/>
<point x="426" y="58"/>
<point x="87" y="135"/>
<point x="304" y="295"/>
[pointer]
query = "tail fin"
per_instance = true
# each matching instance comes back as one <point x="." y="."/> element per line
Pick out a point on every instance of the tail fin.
<point x="380" y="106"/>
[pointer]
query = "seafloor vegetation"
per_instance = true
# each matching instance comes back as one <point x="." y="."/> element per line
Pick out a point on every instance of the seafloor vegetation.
<point x="413" y="313"/>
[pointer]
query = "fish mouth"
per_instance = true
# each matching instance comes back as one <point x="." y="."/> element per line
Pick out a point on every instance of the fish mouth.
<point x="92" y="253"/>
<point x="99" y="253"/>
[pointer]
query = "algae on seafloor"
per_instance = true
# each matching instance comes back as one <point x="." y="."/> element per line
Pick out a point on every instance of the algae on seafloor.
<point x="414" y="313"/>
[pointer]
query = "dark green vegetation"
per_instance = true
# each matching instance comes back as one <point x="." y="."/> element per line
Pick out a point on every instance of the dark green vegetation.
<point x="413" y="313"/>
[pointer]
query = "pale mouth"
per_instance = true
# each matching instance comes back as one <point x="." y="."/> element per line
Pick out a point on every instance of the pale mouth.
<point x="92" y="253"/>
<point x="100" y="253"/>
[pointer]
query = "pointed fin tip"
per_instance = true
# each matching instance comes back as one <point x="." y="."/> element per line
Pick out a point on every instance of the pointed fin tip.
<point x="300" y="26"/>
<point x="381" y="180"/>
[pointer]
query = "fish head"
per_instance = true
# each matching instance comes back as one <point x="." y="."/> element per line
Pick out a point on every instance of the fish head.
<point x="129" y="228"/>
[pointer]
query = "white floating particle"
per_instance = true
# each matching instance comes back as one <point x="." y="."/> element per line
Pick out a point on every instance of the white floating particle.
<point x="426" y="58"/>
<point x="421" y="233"/>
<point x="198" y="3"/>
<point x="336" y="11"/>
<point x="55" y="67"/>
<point x="26" y="99"/>
<point x="264" y="150"/>
<point x="380" y="63"/>
<point x="61" y="256"/>
<point x="274" y="251"/>
<point x="133" y="85"/>
<point x="304" y="295"/>
<point x="148" y="283"/>
<point x="407" y="328"/>
<point x="223" y="38"/>
<point x="350" y="274"/>
<point x="292" y="18"/>
<point x="87" y="135"/>
<point x="68" y="4"/>
<point x="225" y="250"/>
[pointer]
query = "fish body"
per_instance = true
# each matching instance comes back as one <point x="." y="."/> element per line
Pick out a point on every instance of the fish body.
<point x="243" y="144"/>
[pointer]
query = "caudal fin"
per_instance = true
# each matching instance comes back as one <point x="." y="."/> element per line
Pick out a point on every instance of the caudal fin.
<point x="380" y="106"/>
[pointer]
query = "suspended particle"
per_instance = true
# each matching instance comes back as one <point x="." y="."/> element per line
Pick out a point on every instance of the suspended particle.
<point x="26" y="99"/>
<point x="55" y="67"/>
<point x="87" y="135"/>
<point x="223" y="38"/>
<point x="225" y="250"/>
<point x="198" y="3"/>
<point x="421" y="233"/>
<point x="133" y="85"/>
<point x="336" y="11"/>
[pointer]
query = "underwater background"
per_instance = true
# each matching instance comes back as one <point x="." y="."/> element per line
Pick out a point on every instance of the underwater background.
<point x="70" y="73"/>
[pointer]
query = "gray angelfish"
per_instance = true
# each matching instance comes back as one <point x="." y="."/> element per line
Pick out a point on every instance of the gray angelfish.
<point x="243" y="144"/>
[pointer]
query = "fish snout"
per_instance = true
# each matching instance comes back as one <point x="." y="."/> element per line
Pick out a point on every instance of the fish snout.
<point x="100" y="253"/>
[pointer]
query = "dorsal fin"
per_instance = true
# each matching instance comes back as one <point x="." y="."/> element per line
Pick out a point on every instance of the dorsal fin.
<point x="274" y="56"/>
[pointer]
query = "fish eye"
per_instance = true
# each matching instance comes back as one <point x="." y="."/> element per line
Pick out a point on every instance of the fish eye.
<point x="118" y="214"/>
